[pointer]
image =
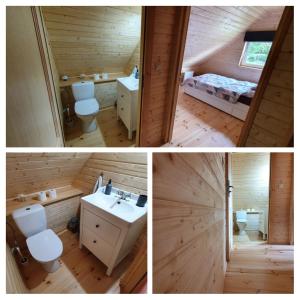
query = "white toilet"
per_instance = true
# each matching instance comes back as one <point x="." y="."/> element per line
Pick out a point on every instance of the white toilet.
<point x="86" y="105"/>
<point x="241" y="221"/>
<point x="44" y="245"/>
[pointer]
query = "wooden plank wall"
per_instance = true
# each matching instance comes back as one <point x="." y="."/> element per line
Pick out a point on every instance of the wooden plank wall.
<point x="281" y="198"/>
<point x="215" y="37"/>
<point x="272" y="125"/>
<point x="188" y="222"/>
<point x="134" y="60"/>
<point x="90" y="39"/>
<point x="250" y="178"/>
<point x="161" y="34"/>
<point x="32" y="172"/>
<point x="226" y="61"/>
<point x="14" y="281"/>
<point x="128" y="171"/>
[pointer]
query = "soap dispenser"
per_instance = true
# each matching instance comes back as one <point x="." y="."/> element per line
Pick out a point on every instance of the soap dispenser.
<point x="108" y="188"/>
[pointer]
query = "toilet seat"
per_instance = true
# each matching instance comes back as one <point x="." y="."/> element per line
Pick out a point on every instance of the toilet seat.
<point x="45" y="246"/>
<point x="242" y="221"/>
<point x="86" y="107"/>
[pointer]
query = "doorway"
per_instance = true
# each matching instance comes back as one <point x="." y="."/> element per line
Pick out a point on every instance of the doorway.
<point x="249" y="198"/>
<point x="96" y="49"/>
<point x="218" y="54"/>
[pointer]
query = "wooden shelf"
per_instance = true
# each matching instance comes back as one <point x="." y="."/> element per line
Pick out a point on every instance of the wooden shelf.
<point x="63" y="193"/>
<point x="111" y="77"/>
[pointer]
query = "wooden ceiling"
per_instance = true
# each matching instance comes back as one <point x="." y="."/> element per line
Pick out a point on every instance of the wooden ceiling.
<point x="212" y="28"/>
<point x="31" y="172"/>
<point x="28" y="173"/>
<point x="92" y="39"/>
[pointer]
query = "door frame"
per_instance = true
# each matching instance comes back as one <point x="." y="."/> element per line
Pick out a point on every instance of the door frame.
<point x="43" y="44"/>
<point x="228" y="206"/>
<point x="141" y="77"/>
<point x="183" y="20"/>
<point x="263" y="82"/>
<point x="176" y="57"/>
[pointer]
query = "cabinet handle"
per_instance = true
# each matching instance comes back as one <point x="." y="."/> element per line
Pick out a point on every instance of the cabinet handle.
<point x="94" y="241"/>
<point x="97" y="226"/>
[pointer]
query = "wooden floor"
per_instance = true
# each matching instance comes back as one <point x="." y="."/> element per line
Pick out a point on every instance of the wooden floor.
<point x="256" y="267"/>
<point x="110" y="132"/>
<point x="80" y="272"/>
<point x="198" y="124"/>
<point x="248" y="237"/>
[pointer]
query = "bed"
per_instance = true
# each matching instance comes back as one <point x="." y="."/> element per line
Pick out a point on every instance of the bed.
<point x="227" y="94"/>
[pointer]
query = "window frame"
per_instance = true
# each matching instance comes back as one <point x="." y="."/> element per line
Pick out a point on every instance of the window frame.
<point x="242" y="62"/>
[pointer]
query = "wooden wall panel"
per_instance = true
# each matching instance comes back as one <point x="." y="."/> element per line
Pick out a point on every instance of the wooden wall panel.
<point x="32" y="172"/>
<point x="162" y="34"/>
<point x="92" y="39"/>
<point x="31" y="119"/>
<point x="188" y="222"/>
<point x="134" y="60"/>
<point x="226" y="62"/>
<point x="128" y="171"/>
<point x="60" y="213"/>
<point x="271" y="116"/>
<point x="281" y="198"/>
<point x="250" y="178"/>
<point x="106" y="94"/>
<point x="215" y="37"/>
<point x="14" y="280"/>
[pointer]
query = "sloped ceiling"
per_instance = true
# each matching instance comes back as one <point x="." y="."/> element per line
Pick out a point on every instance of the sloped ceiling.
<point x="92" y="39"/>
<point x="28" y="173"/>
<point x="212" y="28"/>
<point x="31" y="172"/>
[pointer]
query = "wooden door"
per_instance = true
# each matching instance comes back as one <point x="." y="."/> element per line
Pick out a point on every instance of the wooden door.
<point x="31" y="117"/>
<point x="229" y="209"/>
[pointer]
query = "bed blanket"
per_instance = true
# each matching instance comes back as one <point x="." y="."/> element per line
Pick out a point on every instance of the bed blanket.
<point x="226" y="88"/>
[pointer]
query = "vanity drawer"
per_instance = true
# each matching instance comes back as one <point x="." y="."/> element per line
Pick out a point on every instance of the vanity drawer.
<point x="124" y="110"/>
<point x="107" y="231"/>
<point x="97" y="246"/>
<point x="123" y="92"/>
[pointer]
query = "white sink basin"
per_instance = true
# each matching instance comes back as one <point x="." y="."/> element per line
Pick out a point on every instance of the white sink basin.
<point x="112" y="204"/>
<point x="131" y="83"/>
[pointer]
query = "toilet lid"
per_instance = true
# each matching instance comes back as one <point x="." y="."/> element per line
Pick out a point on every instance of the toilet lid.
<point x="86" y="107"/>
<point x="45" y="246"/>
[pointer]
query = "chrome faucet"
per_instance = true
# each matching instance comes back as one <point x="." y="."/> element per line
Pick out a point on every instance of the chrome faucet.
<point x="123" y="195"/>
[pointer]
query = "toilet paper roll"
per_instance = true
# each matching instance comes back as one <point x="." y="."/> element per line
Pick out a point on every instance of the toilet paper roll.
<point x="105" y="76"/>
<point x="42" y="196"/>
<point x="21" y="197"/>
<point x="96" y="76"/>
<point x="52" y="194"/>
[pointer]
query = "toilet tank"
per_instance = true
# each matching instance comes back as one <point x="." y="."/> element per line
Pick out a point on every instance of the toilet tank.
<point x="30" y="219"/>
<point x="83" y="90"/>
<point x="241" y="215"/>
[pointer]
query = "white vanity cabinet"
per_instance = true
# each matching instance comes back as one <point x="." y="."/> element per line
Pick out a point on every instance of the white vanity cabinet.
<point x="263" y="223"/>
<point x="252" y="221"/>
<point x="127" y="88"/>
<point x="108" y="237"/>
